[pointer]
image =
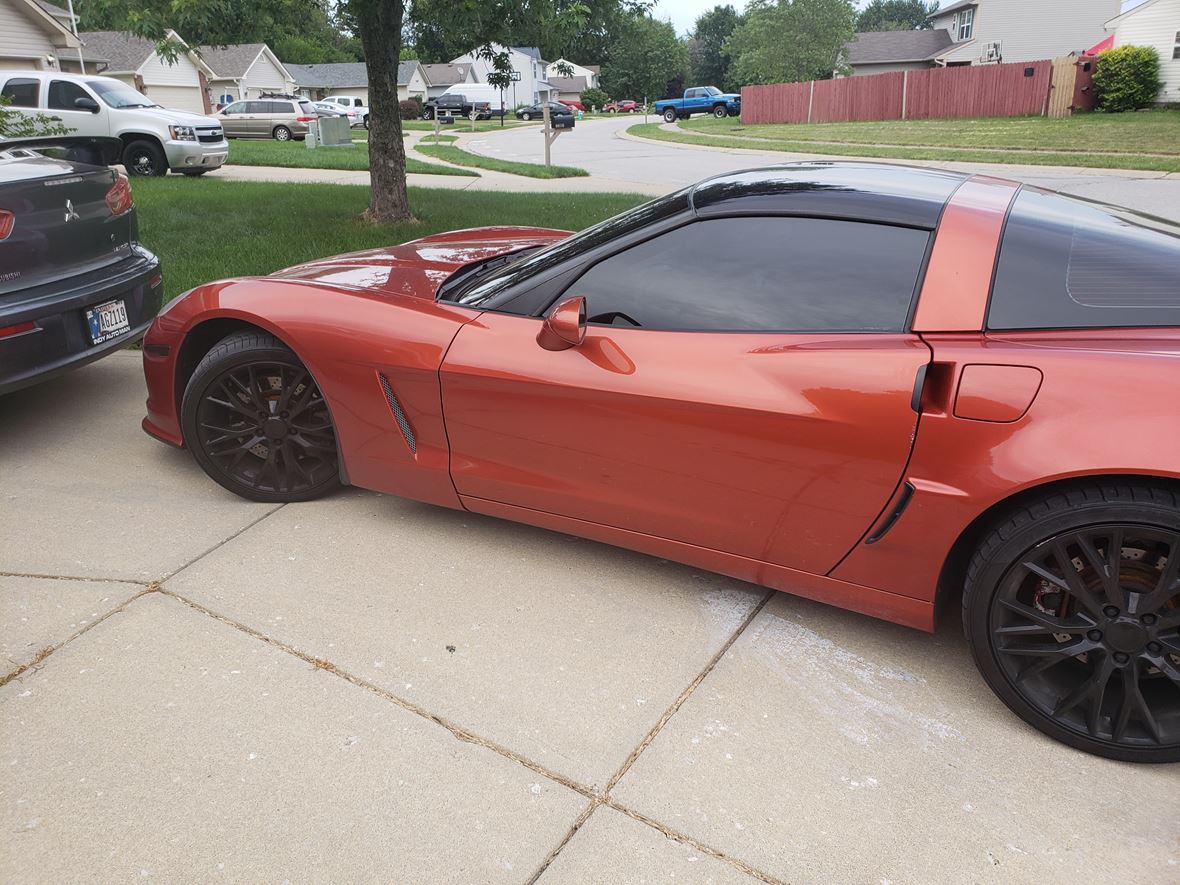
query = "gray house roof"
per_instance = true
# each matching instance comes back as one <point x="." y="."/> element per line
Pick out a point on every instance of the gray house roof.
<point x="340" y="74"/>
<point x="568" y="84"/>
<point x="885" y="47"/>
<point x="531" y="51"/>
<point x="122" y="52"/>
<point x="444" y="74"/>
<point x="231" y="61"/>
<point x="54" y="10"/>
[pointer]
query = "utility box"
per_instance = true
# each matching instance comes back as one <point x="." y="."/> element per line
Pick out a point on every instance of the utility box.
<point x="329" y="132"/>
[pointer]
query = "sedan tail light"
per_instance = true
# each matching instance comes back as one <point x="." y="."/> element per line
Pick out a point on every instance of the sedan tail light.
<point x="7" y="220"/>
<point x="119" y="199"/>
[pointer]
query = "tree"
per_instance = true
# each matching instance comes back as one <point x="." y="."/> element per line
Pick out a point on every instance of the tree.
<point x="645" y="57"/>
<point x="708" y="62"/>
<point x="787" y="41"/>
<point x="593" y="98"/>
<point x="896" y="15"/>
<point x="21" y="124"/>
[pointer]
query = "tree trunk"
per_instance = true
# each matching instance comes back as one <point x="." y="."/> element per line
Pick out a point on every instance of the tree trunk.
<point x="380" y="26"/>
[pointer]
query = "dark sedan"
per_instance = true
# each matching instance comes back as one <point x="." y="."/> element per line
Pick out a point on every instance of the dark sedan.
<point x="560" y="116"/>
<point x="75" y="284"/>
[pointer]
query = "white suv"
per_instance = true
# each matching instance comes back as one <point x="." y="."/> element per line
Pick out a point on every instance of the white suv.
<point x="353" y="106"/>
<point x="154" y="139"/>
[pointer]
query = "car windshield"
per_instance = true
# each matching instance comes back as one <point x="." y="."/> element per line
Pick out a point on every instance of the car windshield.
<point x="120" y="95"/>
<point x="712" y="90"/>
<point x="478" y="289"/>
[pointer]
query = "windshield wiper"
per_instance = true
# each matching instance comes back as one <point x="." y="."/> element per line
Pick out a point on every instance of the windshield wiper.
<point x="457" y="283"/>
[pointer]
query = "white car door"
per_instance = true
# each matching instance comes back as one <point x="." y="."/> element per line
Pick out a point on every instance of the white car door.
<point x="61" y="99"/>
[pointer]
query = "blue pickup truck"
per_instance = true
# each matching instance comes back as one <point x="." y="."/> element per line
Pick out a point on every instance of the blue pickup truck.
<point x="700" y="100"/>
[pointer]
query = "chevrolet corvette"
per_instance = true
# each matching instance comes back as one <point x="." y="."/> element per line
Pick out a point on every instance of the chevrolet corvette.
<point x="886" y="388"/>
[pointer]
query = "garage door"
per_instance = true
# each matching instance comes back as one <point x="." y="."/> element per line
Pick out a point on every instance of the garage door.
<point x="180" y="98"/>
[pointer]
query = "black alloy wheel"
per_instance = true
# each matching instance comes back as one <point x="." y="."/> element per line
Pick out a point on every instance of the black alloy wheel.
<point x="1080" y="634"/>
<point x="145" y="159"/>
<point x="257" y="423"/>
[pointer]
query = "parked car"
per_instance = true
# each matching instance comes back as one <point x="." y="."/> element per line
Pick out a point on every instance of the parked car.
<point x="623" y="106"/>
<point x="456" y="104"/>
<point x="327" y="109"/>
<point x="572" y="104"/>
<point x="700" y="100"/>
<point x="154" y="139"/>
<point x="354" y="107"/>
<point x="75" y="283"/>
<point x="806" y="376"/>
<point x="282" y="119"/>
<point x="560" y="116"/>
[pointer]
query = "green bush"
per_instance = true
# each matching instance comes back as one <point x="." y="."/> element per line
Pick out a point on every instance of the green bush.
<point x="594" y="98"/>
<point x="1127" y="78"/>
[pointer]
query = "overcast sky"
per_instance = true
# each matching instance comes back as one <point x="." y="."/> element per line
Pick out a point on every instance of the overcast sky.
<point x="683" y="13"/>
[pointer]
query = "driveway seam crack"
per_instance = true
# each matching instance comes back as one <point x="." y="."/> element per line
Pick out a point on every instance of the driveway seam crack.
<point x="220" y="544"/>
<point x="87" y="578"/>
<point x="44" y="653"/>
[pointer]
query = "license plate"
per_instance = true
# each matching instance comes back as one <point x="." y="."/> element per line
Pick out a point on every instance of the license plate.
<point x="107" y="321"/>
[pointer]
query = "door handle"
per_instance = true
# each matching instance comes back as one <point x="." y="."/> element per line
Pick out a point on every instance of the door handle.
<point x="919" y="383"/>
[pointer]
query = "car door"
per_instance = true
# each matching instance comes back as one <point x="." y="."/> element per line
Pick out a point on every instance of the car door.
<point x="59" y="105"/>
<point x="233" y="120"/>
<point x="744" y="385"/>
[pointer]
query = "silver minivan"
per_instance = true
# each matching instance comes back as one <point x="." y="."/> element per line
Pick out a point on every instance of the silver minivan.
<point x="279" y="118"/>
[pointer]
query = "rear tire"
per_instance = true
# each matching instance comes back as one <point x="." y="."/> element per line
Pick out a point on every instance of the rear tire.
<point x="1072" y="611"/>
<point x="281" y="133"/>
<point x="669" y="115"/>
<point x="256" y="422"/>
<point x="145" y="158"/>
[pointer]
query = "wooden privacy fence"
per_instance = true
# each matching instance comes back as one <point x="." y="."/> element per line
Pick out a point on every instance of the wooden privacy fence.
<point x="1007" y="90"/>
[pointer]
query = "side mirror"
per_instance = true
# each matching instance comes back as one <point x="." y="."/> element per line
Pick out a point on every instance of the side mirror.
<point x="86" y="104"/>
<point x="565" y="326"/>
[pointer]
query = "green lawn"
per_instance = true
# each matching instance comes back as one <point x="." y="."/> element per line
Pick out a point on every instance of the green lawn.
<point x="466" y="158"/>
<point x="251" y="152"/>
<point x="249" y="227"/>
<point x="439" y="139"/>
<point x="1119" y="141"/>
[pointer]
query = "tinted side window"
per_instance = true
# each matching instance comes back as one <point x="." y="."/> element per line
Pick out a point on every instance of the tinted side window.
<point x="256" y="107"/>
<point x="1066" y="264"/>
<point x="22" y="91"/>
<point x="278" y="107"/>
<point x="761" y="274"/>
<point x="62" y="94"/>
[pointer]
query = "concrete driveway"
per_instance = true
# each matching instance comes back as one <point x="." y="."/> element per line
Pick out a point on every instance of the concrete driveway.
<point x="369" y="689"/>
<point x="601" y="147"/>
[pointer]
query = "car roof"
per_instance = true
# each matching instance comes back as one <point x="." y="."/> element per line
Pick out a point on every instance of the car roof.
<point x="875" y="192"/>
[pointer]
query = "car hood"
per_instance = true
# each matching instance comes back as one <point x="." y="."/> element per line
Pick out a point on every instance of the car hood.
<point x="419" y="267"/>
<point x="177" y="118"/>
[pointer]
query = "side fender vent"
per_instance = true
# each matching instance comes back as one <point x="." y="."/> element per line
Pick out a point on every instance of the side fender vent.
<point x="398" y="415"/>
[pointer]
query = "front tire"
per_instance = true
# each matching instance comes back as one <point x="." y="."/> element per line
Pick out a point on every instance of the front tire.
<point x="720" y="112"/>
<point x="145" y="158"/>
<point x="256" y="422"/>
<point x="282" y="133"/>
<point x="1072" y="611"/>
<point x="669" y="115"/>
<point x="526" y="117"/>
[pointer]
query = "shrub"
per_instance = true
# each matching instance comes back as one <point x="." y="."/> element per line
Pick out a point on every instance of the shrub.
<point x="1127" y="78"/>
<point x="594" y="98"/>
<point x="411" y="109"/>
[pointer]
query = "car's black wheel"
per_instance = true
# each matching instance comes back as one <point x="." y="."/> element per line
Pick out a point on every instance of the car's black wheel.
<point x="428" y="113"/>
<point x="1072" y="610"/>
<point x="282" y="133"/>
<point x="144" y="158"/>
<point x="720" y="112"/>
<point x="669" y="115"/>
<point x="366" y="121"/>
<point x="526" y="116"/>
<point x="257" y="423"/>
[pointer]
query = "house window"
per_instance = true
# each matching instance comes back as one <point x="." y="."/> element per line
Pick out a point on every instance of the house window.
<point x="966" y="24"/>
<point x="1176" y="49"/>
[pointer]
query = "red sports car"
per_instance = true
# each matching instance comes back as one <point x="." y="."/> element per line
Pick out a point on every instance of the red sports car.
<point x="884" y="388"/>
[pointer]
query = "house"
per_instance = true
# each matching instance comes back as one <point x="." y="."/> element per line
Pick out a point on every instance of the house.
<point x="1155" y="23"/>
<point x="881" y="52"/>
<point x="592" y="73"/>
<point x="441" y="77"/>
<point x="179" y="84"/>
<point x="970" y="32"/>
<point x="352" y="78"/>
<point x="244" y="70"/>
<point x="529" y="84"/>
<point x="37" y="36"/>
<point x="568" y="88"/>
